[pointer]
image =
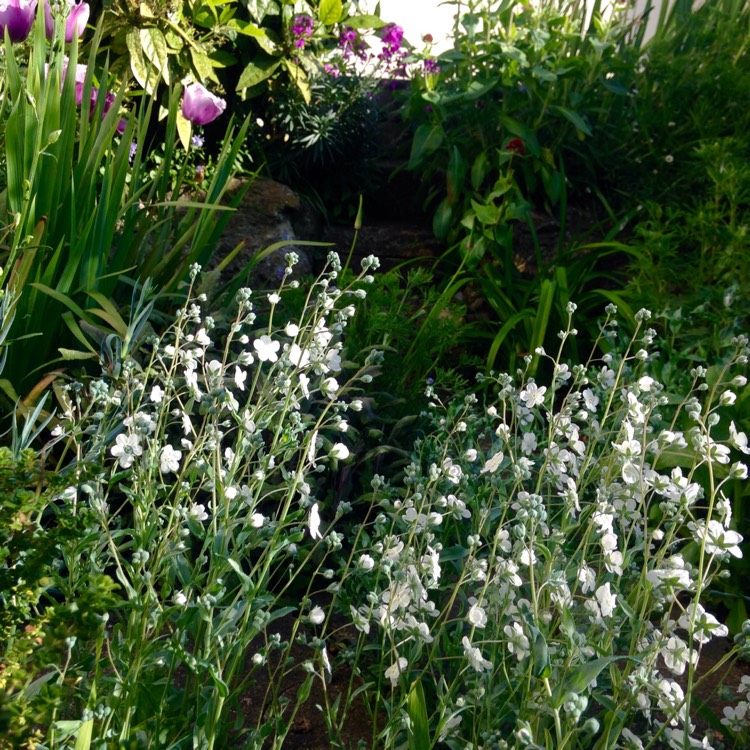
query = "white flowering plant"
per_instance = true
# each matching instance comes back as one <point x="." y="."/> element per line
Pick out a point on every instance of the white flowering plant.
<point x="196" y="471"/>
<point x="540" y="576"/>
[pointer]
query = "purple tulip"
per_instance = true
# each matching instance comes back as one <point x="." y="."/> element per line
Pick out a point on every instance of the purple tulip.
<point x="200" y="106"/>
<point x="75" y="23"/>
<point x="18" y="17"/>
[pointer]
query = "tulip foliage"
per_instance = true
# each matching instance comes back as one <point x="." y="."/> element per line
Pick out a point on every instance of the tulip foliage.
<point x="90" y="209"/>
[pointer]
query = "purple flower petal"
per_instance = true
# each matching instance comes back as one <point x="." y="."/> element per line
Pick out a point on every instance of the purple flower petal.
<point x="200" y="106"/>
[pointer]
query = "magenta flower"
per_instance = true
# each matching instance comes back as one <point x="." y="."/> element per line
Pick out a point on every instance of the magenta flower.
<point x="75" y="23"/>
<point x="393" y="35"/>
<point x="18" y="17"/>
<point x="200" y="106"/>
<point x="302" y="29"/>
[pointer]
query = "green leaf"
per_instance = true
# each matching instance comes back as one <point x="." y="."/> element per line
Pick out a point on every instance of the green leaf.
<point x="155" y="48"/>
<point x="85" y="734"/>
<point x="573" y="117"/>
<point x="583" y="675"/>
<point x="74" y="354"/>
<point x="419" y="727"/>
<point x="427" y="139"/>
<point x="442" y="220"/>
<point x="138" y="62"/>
<point x="245" y="27"/>
<point x="263" y="67"/>
<point x="330" y="11"/>
<point x="203" y="65"/>
<point x="540" y="654"/>
<point x="541" y="320"/>
<point x="457" y="552"/>
<point x="298" y="75"/>
<point x="487" y="215"/>
<point x="184" y="130"/>
<point x="479" y="170"/>
<point x="303" y="691"/>
<point x="502" y="334"/>
<point x="454" y="177"/>
<point x="365" y="22"/>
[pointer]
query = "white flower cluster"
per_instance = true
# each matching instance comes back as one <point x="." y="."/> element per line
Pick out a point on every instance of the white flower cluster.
<point x="557" y="523"/>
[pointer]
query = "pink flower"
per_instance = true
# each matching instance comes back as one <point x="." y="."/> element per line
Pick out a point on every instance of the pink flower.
<point x="75" y="23"/>
<point x="18" y="17"/>
<point x="200" y="106"/>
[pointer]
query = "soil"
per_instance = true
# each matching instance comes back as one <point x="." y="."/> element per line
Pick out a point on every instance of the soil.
<point x="308" y="730"/>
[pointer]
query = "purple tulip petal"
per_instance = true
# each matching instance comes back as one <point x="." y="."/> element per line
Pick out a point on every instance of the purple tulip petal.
<point x="77" y="20"/>
<point x="18" y="17"/>
<point x="200" y="106"/>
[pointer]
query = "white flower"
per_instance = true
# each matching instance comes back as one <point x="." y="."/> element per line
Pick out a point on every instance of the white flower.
<point x="202" y="338"/>
<point x="393" y="672"/>
<point x="587" y="578"/>
<point x="527" y="556"/>
<point x="180" y="599"/>
<point x="606" y="599"/>
<point x="718" y="452"/>
<point x="291" y="330"/>
<point x="198" y="512"/>
<point x="169" y="459"/>
<point x="477" y="616"/>
<point x="298" y="357"/>
<point x="317" y="615"/>
<point x="304" y="384"/>
<point x="528" y="443"/>
<point x="718" y="540"/>
<point x="333" y="360"/>
<point x="324" y="658"/>
<point x="453" y="472"/>
<point x="606" y="377"/>
<point x="470" y="455"/>
<point x="705" y="626"/>
<point x="474" y="655"/>
<point x="274" y="298"/>
<point x="339" y="451"/>
<point x="645" y="383"/>
<point x="630" y="473"/>
<point x="492" y="464"/>
<point x="366" y="562"/>
<point x="533" y="395"/>
<point x="518" y="643"/>
<point x="257" y="520"/>
<point x="735" y="717"/>
<point x="126" y="448"/>
<point x="240" y="376"/>
<point x="738" y="439"/>
<point x="728" y="398"/>
<point x="590" y="400"/>
<point x="359" y="618"/>
<point x="329" y="387"/>
<point x="314" y="522"/>
<point x="157" y="394"/>
<point x="677" y="655"/>
<point x="266" y="348"/>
